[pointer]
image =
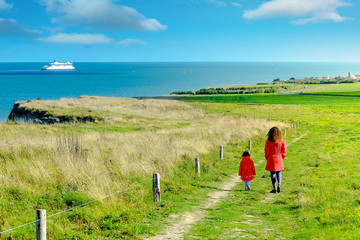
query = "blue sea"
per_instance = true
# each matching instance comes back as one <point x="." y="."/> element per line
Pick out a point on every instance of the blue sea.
<point x="24" y="81"/>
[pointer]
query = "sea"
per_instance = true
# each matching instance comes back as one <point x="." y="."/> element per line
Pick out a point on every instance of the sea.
<point x="25" y="81"/>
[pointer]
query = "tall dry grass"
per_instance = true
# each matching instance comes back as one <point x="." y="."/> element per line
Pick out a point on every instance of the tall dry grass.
<point x="39" y="157"/>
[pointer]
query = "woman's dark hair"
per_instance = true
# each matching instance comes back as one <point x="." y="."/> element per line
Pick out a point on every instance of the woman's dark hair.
<point x="274" y="134"/>
<point x="246" y="154"/>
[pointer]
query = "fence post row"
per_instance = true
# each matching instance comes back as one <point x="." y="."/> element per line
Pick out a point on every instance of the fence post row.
<point x="41" y="213"/>
<point x="197" y="166"/>
<point x="221" y="152"/>
<point x="40" y="224"/>
<point x="156" y="187"/>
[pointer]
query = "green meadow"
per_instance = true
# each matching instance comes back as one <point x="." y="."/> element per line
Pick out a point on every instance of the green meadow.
<point x="108" y="166"/>
<point x="320" y="196"/>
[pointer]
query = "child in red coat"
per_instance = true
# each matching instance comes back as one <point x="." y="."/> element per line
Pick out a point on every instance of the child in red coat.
<point x="247" y="170"/>
<point x="275" y="153"/>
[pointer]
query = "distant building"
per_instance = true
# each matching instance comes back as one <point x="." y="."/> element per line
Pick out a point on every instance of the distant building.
<point x="351" y="76"/>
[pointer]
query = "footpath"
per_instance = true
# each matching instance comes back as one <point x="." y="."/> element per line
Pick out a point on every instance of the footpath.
<point x="180" y="226"/>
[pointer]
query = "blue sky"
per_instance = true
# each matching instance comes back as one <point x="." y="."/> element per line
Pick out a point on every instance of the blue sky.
<point x="179" y="30"/>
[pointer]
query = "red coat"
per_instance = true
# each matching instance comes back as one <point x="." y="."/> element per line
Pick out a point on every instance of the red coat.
<point x="275" y="153"/>
<point x="247" y="169"/>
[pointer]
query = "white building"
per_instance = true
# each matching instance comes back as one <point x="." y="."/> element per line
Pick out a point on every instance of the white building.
<point x="351" y="76"/>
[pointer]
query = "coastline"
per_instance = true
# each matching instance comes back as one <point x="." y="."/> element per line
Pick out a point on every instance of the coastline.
<point x="24" y="81"/>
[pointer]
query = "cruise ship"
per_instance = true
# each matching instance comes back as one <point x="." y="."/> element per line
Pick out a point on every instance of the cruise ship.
<point x="58" y="66"/>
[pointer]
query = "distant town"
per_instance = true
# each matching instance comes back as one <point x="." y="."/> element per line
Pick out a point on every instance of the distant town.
<point x="350" y="78"/>
<point x="276" y="85"/>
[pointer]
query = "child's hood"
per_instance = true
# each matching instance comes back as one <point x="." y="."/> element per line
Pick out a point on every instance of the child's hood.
<point x="246" y="159"/>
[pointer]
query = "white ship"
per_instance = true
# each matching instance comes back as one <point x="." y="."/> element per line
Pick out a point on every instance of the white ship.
<point x="58" y="66"/>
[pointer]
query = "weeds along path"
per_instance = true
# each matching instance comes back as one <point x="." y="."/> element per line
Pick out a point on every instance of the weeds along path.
<point x="179" y="225"/>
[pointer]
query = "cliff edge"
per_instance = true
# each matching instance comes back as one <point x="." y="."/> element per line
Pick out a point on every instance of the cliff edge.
<point x="21" y="112"/>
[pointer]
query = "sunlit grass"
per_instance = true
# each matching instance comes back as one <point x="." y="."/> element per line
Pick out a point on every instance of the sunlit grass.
<point x="320" y="197"/>
<point x="57" y="167"/>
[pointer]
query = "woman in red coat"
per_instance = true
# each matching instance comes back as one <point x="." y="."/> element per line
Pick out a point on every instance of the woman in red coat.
<point x="247" y="170"/>
<point x="275" y="152"/>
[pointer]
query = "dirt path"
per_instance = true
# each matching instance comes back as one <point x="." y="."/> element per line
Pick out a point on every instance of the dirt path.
<point x="179" y="225"/>
<point x="269" y="197"/>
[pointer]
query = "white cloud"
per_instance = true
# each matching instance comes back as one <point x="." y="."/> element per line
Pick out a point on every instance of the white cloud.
<point x="75" y="38"/>
<point x="305" y="10"/>
<point x="218" y="3"/>
<point x="4" y="5"/>
<point x="100" y="14"/>
<point x="54" y="29"/>
<point x="131" y="42"/>
<point x="236" y="4"/>
<point x="9" y="27"/>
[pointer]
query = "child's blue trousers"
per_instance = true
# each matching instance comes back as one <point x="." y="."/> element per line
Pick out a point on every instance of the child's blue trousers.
<point x="247" y="185"/>
<point x="275" y="176"/>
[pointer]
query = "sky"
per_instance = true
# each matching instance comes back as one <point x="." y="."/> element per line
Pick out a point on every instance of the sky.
<point x="180" y="30"/>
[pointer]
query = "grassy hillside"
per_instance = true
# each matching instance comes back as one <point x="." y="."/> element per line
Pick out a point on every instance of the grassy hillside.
<point x="57" y="167"/>
<point x="61" y="166"/>
<point x="320" y="197"/>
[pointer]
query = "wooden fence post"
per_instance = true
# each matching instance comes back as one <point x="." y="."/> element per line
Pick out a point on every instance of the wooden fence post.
<point x="221" y="152"/>
<point x="156" y="187"/>
<point x="294" y="126"/>
<point x="269" y="118"/>
<point x="197" y="166"/>
<point x="297" y="124"/>
<point x="284" y="132"/>
<point x="41" y="224"/>
<point x="249" y="145"/>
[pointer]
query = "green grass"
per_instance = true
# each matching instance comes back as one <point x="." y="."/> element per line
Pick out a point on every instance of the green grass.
<point x="351" y="93"/>
<point x="127" y="215"/>
<point x="346" y="87"/>
<point x="291" y="99"/>
<point x="321" y="187"/>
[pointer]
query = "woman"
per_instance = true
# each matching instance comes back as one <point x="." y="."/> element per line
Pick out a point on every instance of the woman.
<point x="275" y="152"/>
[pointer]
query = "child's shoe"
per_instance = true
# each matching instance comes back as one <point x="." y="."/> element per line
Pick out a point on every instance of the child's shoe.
<point x="273" y="191"/>
<point x="278" y="189"/>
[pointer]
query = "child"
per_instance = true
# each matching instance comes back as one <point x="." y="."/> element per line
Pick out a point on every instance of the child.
<point x="275" y="153"/>
<point x="247" y="170"/>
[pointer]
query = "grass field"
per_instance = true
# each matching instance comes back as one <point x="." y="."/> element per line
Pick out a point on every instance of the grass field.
<point x="351" y="93"/>
<point x="343" y="87"/>
<point x="57" y="167"/>
<point x="279" y="99"/>
<point x="321" y="188"/>
<point x="320" y="197"/>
